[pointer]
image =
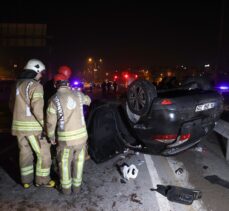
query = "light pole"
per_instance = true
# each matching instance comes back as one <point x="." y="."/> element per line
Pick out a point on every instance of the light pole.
<point x="89" y="69"/>
<point x="93" y="69"/>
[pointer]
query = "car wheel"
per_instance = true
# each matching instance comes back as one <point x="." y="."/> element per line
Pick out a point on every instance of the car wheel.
<point x="140" y="95"/>
<point x="131" y="116"/>
<point x="197" y="83"/>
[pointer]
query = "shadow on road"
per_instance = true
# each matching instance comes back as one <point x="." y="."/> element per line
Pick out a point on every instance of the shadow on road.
<point x="9" y="156"/>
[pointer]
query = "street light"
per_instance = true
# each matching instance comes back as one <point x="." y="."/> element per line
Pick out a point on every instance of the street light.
<point x="90" y="60"/>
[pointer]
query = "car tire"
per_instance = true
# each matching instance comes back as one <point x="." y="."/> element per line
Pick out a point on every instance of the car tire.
<point x="197" y="83"/>
<point x="140" y="95"/>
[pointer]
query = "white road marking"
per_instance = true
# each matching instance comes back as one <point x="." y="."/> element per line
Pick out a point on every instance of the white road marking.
<point x="163" y="203"/>
<point x="179" y="180"/>
<point x="182" y="180"/>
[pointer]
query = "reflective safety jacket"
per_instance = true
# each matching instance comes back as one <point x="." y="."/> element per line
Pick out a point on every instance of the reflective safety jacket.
<point x="65" y="117"/>
<point x="28" y="108"/>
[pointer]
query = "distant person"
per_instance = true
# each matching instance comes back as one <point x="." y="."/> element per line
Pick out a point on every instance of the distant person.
<point x="66" y="126"/>
<point x="108" y="87"/>
<point x="28" y="124"/>
<point x="115" y="85"/>
<point x="172" y="83"/>
<point x="103" y="86"/>
<point x="91" y="87"/>
<point x="164" y="83"/>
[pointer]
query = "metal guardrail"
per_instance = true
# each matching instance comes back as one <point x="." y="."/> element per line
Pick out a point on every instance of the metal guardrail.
<point x="222" y="128"/>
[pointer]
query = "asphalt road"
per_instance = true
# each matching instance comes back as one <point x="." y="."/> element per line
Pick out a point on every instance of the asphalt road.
<point x="104" y="188"/>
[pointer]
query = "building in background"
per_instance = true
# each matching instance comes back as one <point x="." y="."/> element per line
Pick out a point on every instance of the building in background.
<point x="20" y="42"/>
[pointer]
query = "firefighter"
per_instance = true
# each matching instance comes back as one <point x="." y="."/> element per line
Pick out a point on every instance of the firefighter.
<point x="28" y="124"/>
<point x="65" y="112"/>
<point x="49" y="89"/>
<point x="65" y="70"/>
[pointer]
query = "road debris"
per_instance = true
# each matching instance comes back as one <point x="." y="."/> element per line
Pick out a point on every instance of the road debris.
<point x="140" y="162"/>
<point x="126" y="150"/>
<point x="133" y="198"/>
<point x="178" y="194"/>
<point x="130" y="154"/>
<point x="126" y="171"/>
<point x="130" y="172"/>
<point x="205" y="167"/>
<point x="198" y="149"/>
<point x="113" y="205"/>
<point x="214" y="179"/>
<point x="179" y="171"/>
<point x="123" y="181"/>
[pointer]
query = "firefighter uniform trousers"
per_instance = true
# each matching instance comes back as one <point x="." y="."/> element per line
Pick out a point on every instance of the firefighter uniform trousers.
<point x="71" y="162"/>
<point x="28" y="145"/>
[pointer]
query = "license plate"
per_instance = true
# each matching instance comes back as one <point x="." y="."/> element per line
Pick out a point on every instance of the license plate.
<point x="205" y="106"/>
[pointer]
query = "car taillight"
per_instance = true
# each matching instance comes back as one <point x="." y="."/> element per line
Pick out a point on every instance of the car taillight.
<point x="166" y="102"/>
<point x="168" y="138"/>
<point x="180" y="140"/>
<point x="184" y="137"/>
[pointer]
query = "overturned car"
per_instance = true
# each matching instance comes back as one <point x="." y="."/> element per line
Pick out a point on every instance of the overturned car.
<point x="163" y="122"/>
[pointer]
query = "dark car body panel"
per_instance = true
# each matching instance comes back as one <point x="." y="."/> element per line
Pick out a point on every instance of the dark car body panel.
<point x="180" y="116"/>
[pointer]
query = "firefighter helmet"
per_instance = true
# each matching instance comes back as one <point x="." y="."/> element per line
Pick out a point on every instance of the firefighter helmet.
<point x="65" y="70"/>
<point x="35" y="65"/>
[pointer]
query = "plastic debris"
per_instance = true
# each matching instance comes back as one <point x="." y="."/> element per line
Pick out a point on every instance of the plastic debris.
<point x="126" y="150"/>
<point x="179" y="171"/>
<point x="214" y="179"/>
<point x="178" y="194"/>
<point x="130" y="172"/>
<point x="141" y="162"/>
<point x="198" y="149"/>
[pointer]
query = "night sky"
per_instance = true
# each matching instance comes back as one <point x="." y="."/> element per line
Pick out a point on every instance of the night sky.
<point x="131" y="34"/>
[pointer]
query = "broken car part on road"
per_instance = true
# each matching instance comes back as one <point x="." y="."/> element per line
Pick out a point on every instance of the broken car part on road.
<point x="214" y="179"/>
<point x="178" y="194"/>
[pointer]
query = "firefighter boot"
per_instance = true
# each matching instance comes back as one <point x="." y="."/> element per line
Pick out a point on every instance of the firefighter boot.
<point x="26" y="185"/>
<point x="50" y="184"/>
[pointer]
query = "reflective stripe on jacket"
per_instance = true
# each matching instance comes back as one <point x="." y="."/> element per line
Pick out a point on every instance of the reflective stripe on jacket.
<point x="65" y="110"/>
<point x="28" y="108"/>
